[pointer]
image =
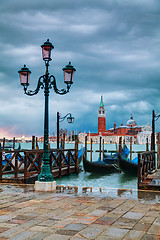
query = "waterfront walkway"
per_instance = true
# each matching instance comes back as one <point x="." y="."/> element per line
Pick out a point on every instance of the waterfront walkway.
<point x="78" y="213"/>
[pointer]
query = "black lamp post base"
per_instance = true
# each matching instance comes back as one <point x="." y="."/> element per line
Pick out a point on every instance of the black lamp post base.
<point x="45" y="175"/>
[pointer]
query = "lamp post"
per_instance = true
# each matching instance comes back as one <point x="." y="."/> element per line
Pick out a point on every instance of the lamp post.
<point x="70" y="119"/>
<point x="46" y="82"/>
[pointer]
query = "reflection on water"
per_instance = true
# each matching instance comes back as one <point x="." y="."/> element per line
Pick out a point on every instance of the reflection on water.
<point x="94" y="176"/>
<point x="111" y="185"/>
<point x="127" y="177"/>
<point x="148" y="195"/>
<point x="67" y="189"/>
<point x="141" y="195"/>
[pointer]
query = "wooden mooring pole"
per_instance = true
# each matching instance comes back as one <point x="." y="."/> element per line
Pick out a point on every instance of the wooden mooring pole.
<point x="85" y="147"/>
<point x="33" y="142"/>
<point x="76" y="153"/>
<point x="37" y="143"/>
<point x="152" y="147"/>
<point x="64" y="137"/>
<point x="130" y="148"/>
<point x="158" y="152"/>
<point x="139" y="168"/>
<point x="14" y="143"/>
<point x="91" y="149"/>
<point x="4" y="140"/>
<point x="147" y="148"/>
<point x="103" y="147"/>
<point x="153" y="130"/>
<point x="119" y="149"/>
<point x="76" y="140"/>
<point x="120" y="146"/>
<point x="1" y="165"/>
<point x="100" y="151"/>
<point x="124" y="143"/>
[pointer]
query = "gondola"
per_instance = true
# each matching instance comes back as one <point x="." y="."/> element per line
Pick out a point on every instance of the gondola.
<point x="127" y="165"/>
<point x="81" y="154"/>
<point x="101" y="166"/>
<point x="7" y="157"/>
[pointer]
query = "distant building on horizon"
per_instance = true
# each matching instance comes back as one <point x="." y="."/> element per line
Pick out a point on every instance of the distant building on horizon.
<point x="139" y="134"/>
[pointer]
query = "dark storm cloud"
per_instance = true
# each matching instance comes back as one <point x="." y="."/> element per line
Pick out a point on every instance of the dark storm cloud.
<point x="114" y="45"/>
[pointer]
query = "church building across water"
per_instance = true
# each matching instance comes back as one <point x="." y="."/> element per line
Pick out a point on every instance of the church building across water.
<point x="139" y="134"/>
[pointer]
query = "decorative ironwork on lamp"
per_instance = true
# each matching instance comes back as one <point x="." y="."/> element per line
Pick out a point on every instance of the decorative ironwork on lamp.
<point x="46" y="82"/>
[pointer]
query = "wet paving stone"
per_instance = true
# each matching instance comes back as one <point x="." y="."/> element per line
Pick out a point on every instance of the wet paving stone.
<point x="48" y="222"/>
<point x="115" y="232"/>
<point x="133" y="215"/>
<point x="22" y="217"/>
<point x="152" y="213"/>
<point x="156" y="207"/>
<point x="86" y="219"/>
<point x="58" y="237"/>
<point x="39" y="236"/>
<point x="7" y="225"/>
<point x="63" y="216"/>
<point x="75" y="227"/>
<point x="23" y="235"/>
<point x="16" y="221"/>
<point x="42" y="229"/>
<point x="12" y="209"/>
<point x="77" y="237"/>
<point x="102" y="222"/>
<point x="146" y="219"/>
<point x="103" y="208"/>
<point x="105" y="221"/>
<point x="5" y="217"/>
<point x="90" y="232"/>
<point x="20" y="200"/>
<point x="3" y="229"/>
<point x="125" y="223"/>
<point x="133" y="234"/>
<point x="154" y="229"/>
<point x="142" y="226"/>
<point x="66" y="232"/>
<point x="150" y="237"/>
<point x="107" y="238"/>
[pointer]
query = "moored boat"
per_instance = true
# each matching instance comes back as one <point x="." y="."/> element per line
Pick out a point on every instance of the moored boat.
<point x="6" y="158"/>
<point x="81" y="154"/>
<point x="109" y="164"/>
<point x="127" y="165"/>
<point x="100" y="166"/>
<point x="111" y="158"/>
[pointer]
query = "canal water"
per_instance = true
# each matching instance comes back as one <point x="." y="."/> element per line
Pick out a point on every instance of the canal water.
<point x="85" y="179"/>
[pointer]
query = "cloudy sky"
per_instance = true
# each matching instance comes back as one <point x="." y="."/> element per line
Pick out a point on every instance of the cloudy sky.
<point x="113" y="44"/>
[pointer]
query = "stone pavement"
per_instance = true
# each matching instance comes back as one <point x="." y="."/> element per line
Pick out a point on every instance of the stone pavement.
<point x="70" y="213"/>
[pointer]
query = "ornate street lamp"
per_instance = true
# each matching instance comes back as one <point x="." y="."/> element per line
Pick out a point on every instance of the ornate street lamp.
<point x="70" y="119"/>
<point x="24" y="76"/>
<point x="46" y="82"/>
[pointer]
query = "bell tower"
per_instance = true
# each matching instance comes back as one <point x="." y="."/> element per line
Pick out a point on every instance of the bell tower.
<point x="101" y="117"/>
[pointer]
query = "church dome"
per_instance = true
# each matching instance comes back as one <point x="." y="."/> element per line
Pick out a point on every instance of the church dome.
<point x="131" y="122"/>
